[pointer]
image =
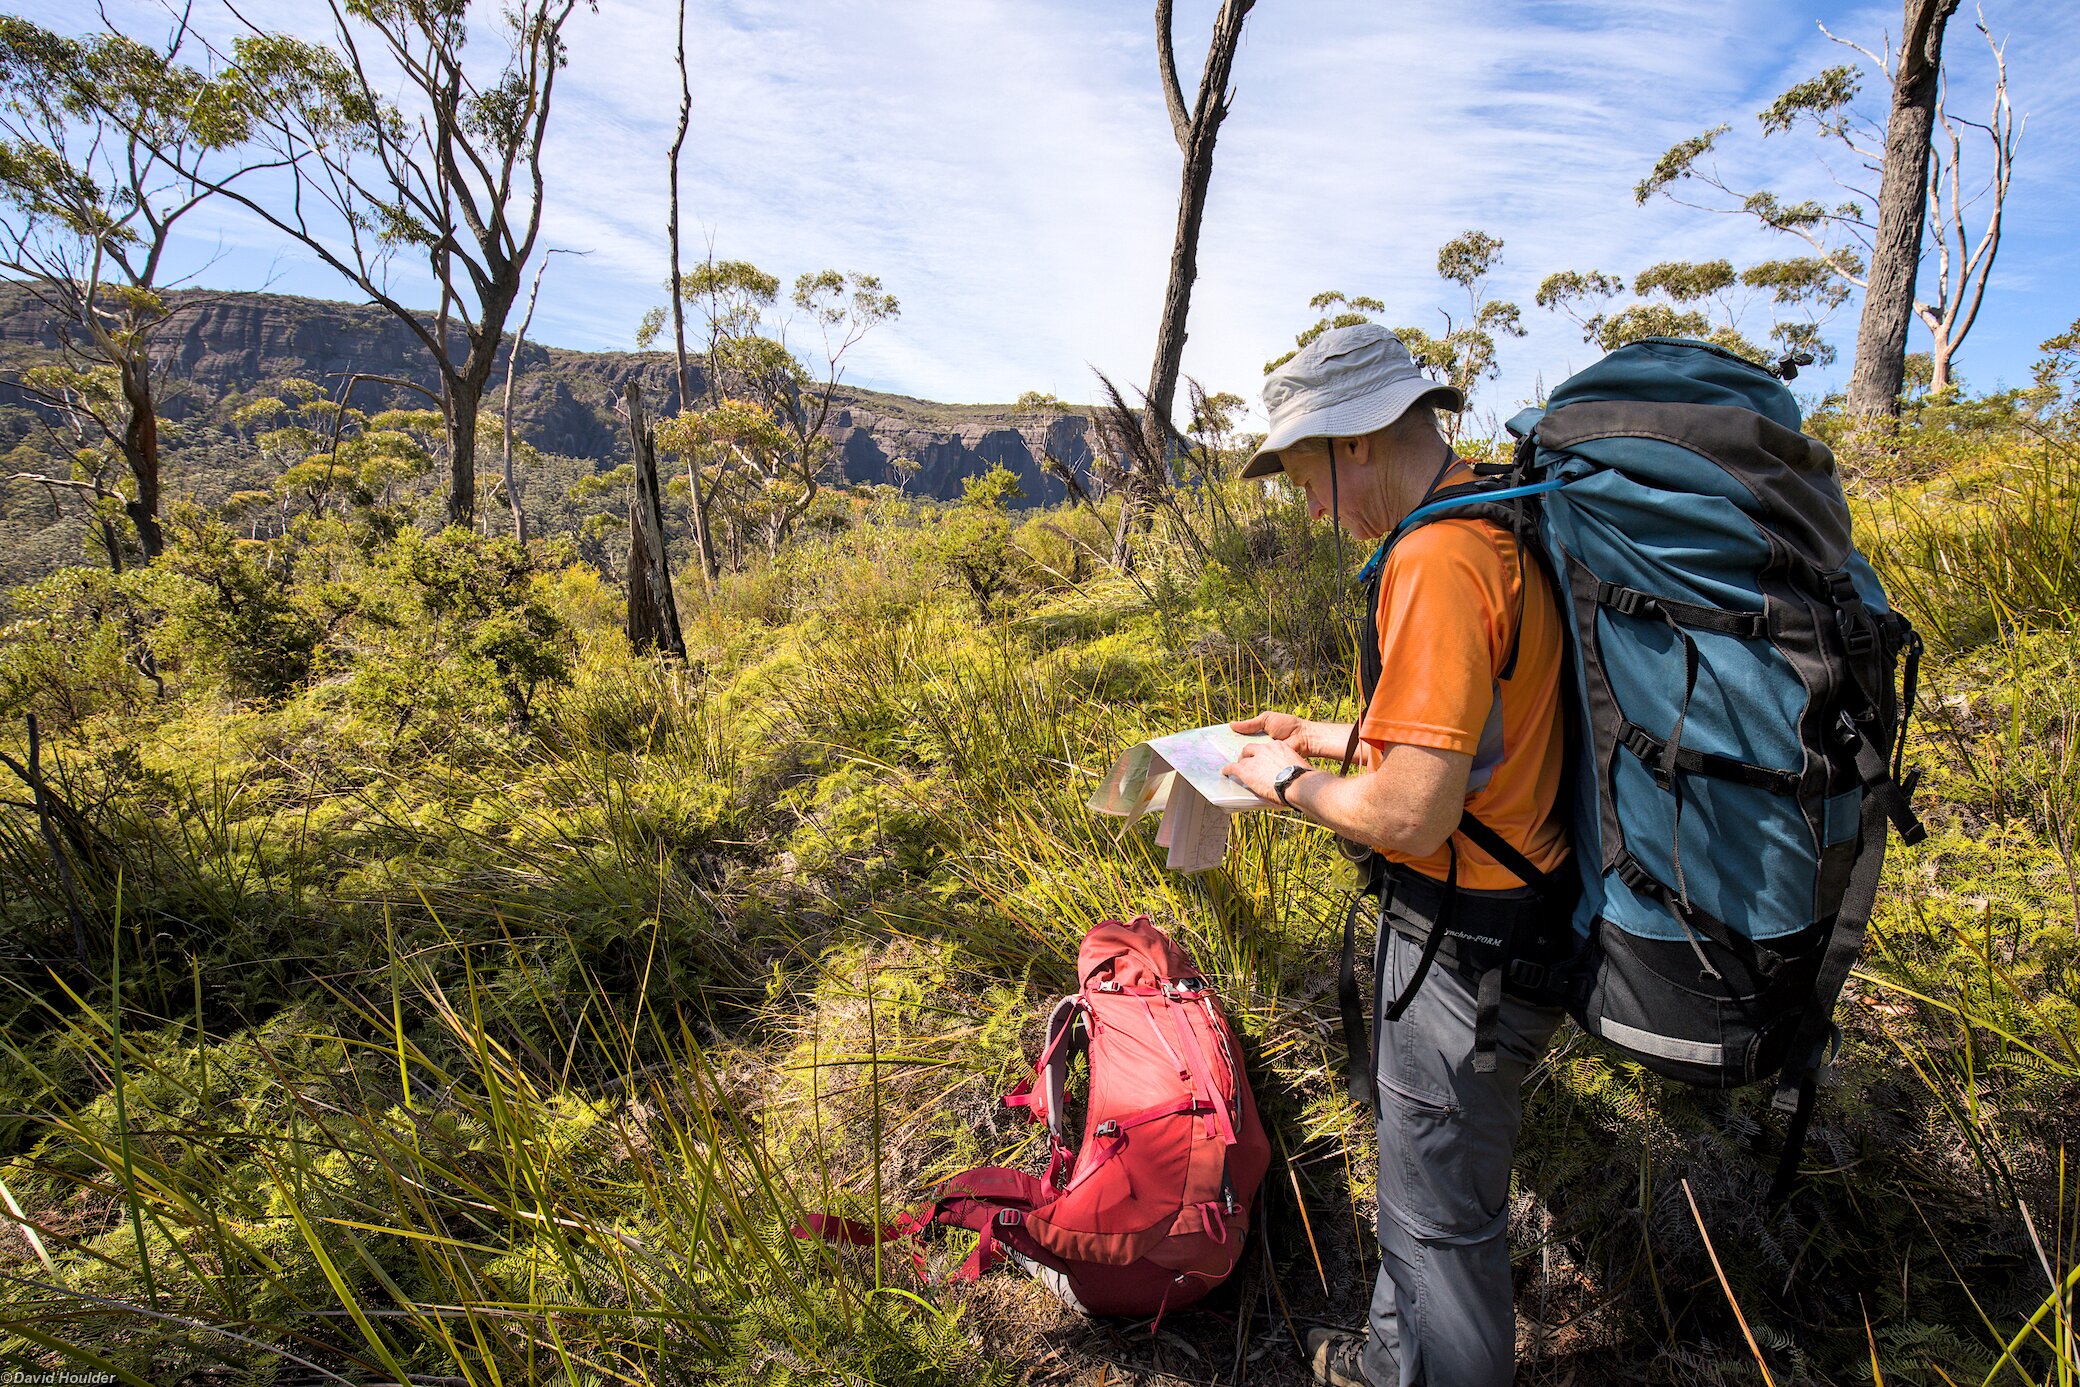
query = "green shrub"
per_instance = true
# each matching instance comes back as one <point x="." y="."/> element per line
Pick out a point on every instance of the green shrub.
<point x="972" y="541"/>
<point x="75" y="650"/>
<point x="242" y="622"/>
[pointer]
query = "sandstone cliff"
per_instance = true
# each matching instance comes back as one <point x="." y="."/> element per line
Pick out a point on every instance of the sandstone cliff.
<point x="221" y="346"/>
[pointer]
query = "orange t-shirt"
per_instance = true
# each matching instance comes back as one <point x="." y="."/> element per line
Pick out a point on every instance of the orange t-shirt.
<point x="1449" y="604"/>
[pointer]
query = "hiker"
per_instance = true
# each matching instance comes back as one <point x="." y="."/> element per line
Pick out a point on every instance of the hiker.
<point x="1461" y="735"/>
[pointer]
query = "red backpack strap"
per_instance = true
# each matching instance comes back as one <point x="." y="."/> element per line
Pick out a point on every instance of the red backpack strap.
<point x="988" y="1200"/>
<point x="1110" y="1137"/>
<point x="833" y="1229"/>
<point x="1202" y="1072"/>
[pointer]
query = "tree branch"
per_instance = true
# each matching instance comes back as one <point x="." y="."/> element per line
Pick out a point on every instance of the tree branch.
<point x="93" y="488"/>
<point x="1181" y="120"/>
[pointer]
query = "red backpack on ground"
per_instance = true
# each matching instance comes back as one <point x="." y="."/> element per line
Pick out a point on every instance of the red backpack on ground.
<point x="1151" y="1212"/>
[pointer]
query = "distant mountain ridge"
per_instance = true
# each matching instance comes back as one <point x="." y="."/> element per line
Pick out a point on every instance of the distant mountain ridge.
<point x="228" y="343"/>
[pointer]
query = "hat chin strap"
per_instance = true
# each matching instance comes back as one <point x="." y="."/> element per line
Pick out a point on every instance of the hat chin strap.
<point x="1335" y="517"/>
<point x="1335" y="501"/>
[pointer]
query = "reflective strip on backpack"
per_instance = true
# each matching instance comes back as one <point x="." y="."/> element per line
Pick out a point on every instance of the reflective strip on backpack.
<point x="1666" y="1047"/>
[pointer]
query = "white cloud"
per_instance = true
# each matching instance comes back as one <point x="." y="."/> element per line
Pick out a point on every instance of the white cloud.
<point x="1007" y="167"/>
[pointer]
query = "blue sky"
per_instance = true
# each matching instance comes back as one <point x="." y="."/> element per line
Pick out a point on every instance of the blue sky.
<point x="1007" y="168"/>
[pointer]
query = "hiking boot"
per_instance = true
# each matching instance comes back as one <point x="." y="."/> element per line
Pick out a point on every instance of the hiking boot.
<point x="1338" y="1357"/>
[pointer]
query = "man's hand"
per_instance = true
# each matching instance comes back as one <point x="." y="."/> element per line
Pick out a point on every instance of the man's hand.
<point x="1314" y="739"/>
<point x="1260" y="761"/>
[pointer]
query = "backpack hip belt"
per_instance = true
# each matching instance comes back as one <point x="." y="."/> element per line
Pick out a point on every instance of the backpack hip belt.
<point x="1516" y="943"/>
<point x="1523" y="932"/>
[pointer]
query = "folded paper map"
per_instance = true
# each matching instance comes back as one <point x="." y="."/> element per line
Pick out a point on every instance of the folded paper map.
<point x="1179" y="777"/>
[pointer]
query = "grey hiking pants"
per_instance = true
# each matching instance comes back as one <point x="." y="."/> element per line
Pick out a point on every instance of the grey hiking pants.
<point x="1443" y="1312"/>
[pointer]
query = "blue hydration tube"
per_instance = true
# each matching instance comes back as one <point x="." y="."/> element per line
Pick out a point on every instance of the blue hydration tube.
<point x="1506" y="494"/>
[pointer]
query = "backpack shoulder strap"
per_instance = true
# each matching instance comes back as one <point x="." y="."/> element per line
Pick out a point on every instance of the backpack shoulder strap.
<point x="1044" y="1096"/>
<point x="1506" y="853"/>
<point x="1471" y="500"/>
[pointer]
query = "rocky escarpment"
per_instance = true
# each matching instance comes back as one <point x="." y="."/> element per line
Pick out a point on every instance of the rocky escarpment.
<point x="221" y="347"/>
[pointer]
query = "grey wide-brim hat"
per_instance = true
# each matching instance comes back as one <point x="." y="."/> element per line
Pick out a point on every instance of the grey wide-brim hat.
<point x="1348" y="381"/>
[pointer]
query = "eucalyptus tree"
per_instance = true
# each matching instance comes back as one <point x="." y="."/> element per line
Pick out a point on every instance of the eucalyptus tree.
<point x="1913" y="193"/>
<point x="1705" y="299"/>
<point x="1467" y="351"/>
<point x="397" y="142"/>
<point x="1902" y="203"/>
<point x="764" y="427"/>
<point x="107" y="143"/>
<point x="732" y="298"/>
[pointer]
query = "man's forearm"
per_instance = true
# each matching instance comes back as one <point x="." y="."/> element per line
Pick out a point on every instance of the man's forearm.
<point x="1407" y="804"/>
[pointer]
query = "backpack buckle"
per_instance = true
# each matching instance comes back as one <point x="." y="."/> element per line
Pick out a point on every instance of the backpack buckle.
<point x="1629" y="601"/>
<point x="1528" y="973"/>
<point x="1009" y="1218"/>
<point x="1648" y="749"/>
<point x="1859" y="637"/>
<point x="1185" y="987"/>
<point x="1107" y="1128"/>
<point x="1636" y="877"/>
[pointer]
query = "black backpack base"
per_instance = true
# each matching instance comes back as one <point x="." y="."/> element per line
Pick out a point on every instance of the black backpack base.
<point x="1696" y="1012"/>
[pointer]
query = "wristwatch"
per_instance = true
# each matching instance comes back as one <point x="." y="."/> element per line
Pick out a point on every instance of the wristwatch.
<point x="1283" y="781"/>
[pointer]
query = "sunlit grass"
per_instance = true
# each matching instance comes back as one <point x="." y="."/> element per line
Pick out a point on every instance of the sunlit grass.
<point x="521" y="1065"/>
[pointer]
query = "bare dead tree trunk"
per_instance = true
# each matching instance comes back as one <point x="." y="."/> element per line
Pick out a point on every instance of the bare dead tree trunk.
<point x="653" y="615"/>
<point x="703" y="542"/>
<point x="1196" y="129"/>
<point x="1888" y="301"/>
<point x="1962" y="267"/>
<point x="641" y="624"/>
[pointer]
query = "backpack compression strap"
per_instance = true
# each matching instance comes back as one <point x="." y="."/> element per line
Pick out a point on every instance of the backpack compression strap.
<point x="1885" y="801"/>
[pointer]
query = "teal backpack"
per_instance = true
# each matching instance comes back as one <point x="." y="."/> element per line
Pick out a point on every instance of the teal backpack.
<point x="1737" y="729"/>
